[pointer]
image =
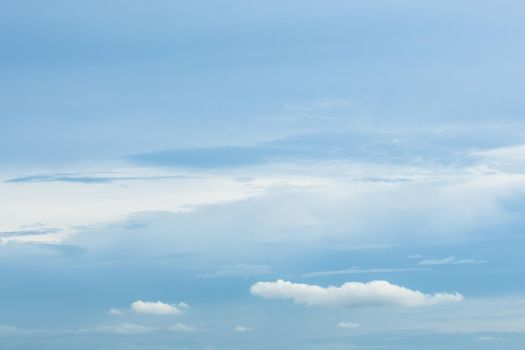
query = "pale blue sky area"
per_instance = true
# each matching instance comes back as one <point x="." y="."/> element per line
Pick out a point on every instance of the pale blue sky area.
<point x="290" y="175"/>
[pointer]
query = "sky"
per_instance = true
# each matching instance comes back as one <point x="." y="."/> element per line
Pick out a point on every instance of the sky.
<point x="252" y="175"/>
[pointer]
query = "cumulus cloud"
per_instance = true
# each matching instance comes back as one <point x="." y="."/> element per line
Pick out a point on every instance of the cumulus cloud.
<point x="348" y="325"/>
<point x="181" y="328"/>
<point x="350" y="294"/>
<point x="157" y="307"/>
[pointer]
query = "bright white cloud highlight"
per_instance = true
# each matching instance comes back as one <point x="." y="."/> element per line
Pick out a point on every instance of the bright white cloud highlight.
<point x="350" y="294"/>
<point x="157" y="308"/>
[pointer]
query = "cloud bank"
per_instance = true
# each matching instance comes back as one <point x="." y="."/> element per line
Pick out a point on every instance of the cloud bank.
<point x="350" y="294"/>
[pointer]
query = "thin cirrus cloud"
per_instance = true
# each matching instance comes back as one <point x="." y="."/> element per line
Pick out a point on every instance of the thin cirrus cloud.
<point x="451" y="260"/>
<point x="350" y="294"/>
<point x="356" y="271"/>
<point x="88" y="178"/>
<point x="157" y="308"/>
<point x="241" y="270"/>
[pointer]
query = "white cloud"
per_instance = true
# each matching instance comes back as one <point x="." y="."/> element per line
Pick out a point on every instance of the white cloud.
<point x="127" y="329"/>
<point x="451" y="260"/>
<point x="157" y="307"/>
<point x="348" y="325"/>
<point x="82" y="205"/>
<point x="181" y="328"/>
<point x="115" y="312"/>
<point x="351" y="294"/>
<point x="241" y="329"/>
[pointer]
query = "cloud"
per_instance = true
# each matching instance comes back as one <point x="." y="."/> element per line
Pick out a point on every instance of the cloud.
<point x="241" y="329"/>
<point x="516" y="152"/>
<point x="88" y="178"/>
<point x="362" y="145"/>
<point x="33" y="232"/>
<point x="127" y="329"/>
<point x="36" y="234"/>
<point x="181" y="328"/>
<point x="61" y="178"/>
<point x="350" y="294"/>
<point x="415" y="256"/>
<point x="157" y="308"/>
<point x="487" y="338"/>
<point x="240" y="270"/>
<point x="348" y="325"/>
<point x="115" y="312"/>
<point x="356" y="271"/>
<point x="451" y="260"/>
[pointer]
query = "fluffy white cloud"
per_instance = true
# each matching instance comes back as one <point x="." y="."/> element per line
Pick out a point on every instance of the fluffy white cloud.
<point x="181" y="328"/>
<point x="350" y="294"/>
<point x="157" y="307"/>
<point x="348" y="325"/>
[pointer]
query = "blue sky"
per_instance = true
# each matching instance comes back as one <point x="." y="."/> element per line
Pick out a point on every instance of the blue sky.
<point x="262" y="175"/>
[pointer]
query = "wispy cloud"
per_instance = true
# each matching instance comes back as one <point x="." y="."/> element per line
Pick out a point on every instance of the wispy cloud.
<point x="115" y="312"/>
<point x="127" y="329"/>
<point x="368" y="146"/>
<point x="488" y="338"/>
<point x="180" y="327"/>
<point x="451" y="260"/>
<point x="241" y="329"/>
<point x="348" y="325"/>
<point x="88" y="179"/>
<point x="357" y="270"/>
<point x="240" y="270"/>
